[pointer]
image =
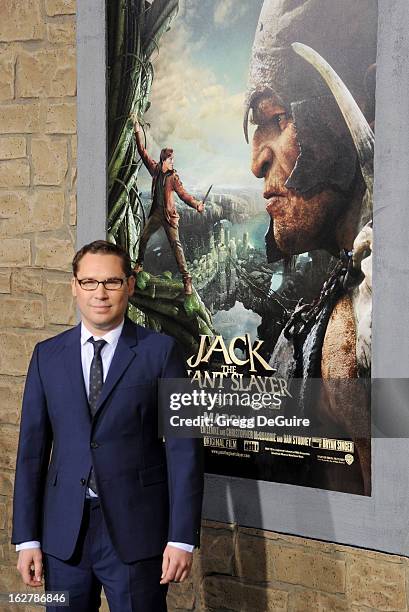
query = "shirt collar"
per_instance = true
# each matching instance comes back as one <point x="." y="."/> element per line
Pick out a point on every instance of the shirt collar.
<point x="110" y="337"/>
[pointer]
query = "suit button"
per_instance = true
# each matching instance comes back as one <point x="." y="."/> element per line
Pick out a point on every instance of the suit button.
<point x="83" y="481"/>
<point x="94" y="444"/>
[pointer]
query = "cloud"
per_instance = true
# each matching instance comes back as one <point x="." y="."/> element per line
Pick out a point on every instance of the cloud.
<point x="194" y="113"/>
<point x="228" y="11"/>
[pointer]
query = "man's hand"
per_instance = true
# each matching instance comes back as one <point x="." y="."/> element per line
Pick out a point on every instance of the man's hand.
<point x="200" y="207"/>
<point x="176" y="565"/>
<point x="26" y="559"/>
<point x="134" y="118"/>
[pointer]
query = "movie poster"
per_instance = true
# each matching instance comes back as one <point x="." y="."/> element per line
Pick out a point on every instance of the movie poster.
<point x="240" y="178"/>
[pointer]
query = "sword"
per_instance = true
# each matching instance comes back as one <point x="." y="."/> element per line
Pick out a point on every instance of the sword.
<point x="207" y="193"/>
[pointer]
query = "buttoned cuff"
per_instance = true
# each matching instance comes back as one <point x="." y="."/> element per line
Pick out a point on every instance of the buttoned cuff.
<point x="187" y="547"/>
<point x="25" y="545"/>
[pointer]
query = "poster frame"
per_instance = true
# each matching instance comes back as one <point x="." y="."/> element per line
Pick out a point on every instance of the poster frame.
<point x="379" y="522"/>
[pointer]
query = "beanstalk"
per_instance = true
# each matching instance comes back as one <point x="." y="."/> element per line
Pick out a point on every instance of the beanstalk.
<point x="135" y="28"/>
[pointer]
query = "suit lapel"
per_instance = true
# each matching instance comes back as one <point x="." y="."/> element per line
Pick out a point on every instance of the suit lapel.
<point x="73" y="365"/>
<point x="124" y="353"/>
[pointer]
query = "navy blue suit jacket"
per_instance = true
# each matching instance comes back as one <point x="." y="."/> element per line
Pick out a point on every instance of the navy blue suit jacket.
<point x="150" y="491"/>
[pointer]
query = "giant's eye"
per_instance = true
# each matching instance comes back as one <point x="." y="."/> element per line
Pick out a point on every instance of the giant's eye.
<point x="267" y="113"/>
<point x="282" y="120"/>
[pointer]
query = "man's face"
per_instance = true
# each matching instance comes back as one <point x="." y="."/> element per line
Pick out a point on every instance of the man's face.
<point x="101" y="309"/>
<point x="298" y="224"/>
<point x="168" y="164"/>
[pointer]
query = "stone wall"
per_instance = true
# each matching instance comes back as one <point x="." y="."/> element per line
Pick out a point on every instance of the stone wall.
<point x="250" y="570"/>
<point x="37" y="210"/>
<point x="236" y="568"/>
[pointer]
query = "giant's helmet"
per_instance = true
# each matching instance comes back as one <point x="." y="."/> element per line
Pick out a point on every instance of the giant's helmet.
<point x="344" y="32"/>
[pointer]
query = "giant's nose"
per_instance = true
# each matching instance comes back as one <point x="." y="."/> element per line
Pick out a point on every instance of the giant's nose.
<point x="262" y="160"/>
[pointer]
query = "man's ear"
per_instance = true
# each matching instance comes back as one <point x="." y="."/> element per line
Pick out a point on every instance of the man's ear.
<point x="74" y="287"/>
<point x="131" y="285"/>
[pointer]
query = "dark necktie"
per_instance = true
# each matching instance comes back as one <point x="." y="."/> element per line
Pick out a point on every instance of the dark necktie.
<point x="96" y="380"/>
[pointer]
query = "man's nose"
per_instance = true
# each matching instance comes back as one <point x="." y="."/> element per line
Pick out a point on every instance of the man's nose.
<point x="100" y="292"/>
<point x="262" y="161"/>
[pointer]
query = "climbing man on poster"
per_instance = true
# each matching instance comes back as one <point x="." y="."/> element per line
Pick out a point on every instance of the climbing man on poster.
<point x="163" y="211"/>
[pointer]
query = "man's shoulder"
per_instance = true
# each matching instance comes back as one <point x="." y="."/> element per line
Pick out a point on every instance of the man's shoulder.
<point x="50" y="349"/>
<point x="59" y="339"/>
<point x="174" y="176"/>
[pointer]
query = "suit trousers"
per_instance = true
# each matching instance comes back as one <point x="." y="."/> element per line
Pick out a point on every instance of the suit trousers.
<point x="129" y="587"/>
<point x="156" y="220"/>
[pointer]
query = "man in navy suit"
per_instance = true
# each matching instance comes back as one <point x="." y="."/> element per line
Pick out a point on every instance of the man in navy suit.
<point x="115" y="506"/>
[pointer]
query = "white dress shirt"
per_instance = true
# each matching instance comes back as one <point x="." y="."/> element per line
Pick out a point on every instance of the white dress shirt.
<point x="87" y="354"/>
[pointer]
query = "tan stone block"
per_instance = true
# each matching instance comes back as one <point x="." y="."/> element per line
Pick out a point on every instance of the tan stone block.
<point x="61" y="32"/>
<point x="314" y="570"/>
<point x="61" y="118"/>
<point x="60" y="302"/>
<point x="46" y="73"/>
<point x="181" y="596"/>
<point x="54" y="253"/>
<point x="9" y="515"/>
<point x="7" y="482"/>
<point x="14" y="252"/>
<point x="60" y="7"/>
<point x="301" y="601"/>
<point x="375" y="584"/>
<point x="7" y="61"/>
<point x="10" y="580"/>
<point x="8" y="553"/>
<point x="12" y="147"/>
<point x="20" y="608"/>
<point x="16" y="350"/>
<point x="21" y="20"/>
<point x="255" y="557"/>
<point x="20" y="118"/>
<point x="3" y="516"/>
<point x="217" y="551"/>
<point x="21" y="312"/>
<point x="16" y="222"/>
<point x="73" y="209"/>
<point x="26" y="213"/>
<point x="14" y="173"/>
<point x="5" y="276"/>
<point x="11" y="396"/>
<point x="50" y="162"/>
<point x="220" y="592"/>
<point x="8" y="447"/>
<point x="47" y="211"/>
<point x="74" y="147"/>
<point x="73" y="177"/>
<point x="27" y="280"/>
<point x="11" y="204"/>
<point x="372" y="554"/>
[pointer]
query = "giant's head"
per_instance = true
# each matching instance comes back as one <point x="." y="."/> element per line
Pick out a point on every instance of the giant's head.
<point x="302" y="147"/>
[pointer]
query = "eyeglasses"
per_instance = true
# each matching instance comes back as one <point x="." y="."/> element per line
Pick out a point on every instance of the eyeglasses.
<point x="110" y="284"/>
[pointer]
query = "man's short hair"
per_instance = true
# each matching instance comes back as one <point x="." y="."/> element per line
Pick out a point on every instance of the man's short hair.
<point x="164" y="154"/>
<point x="106" y="248"/>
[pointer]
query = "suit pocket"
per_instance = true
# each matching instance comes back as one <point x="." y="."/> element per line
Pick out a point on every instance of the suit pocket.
<point x="153" y="474"/>
<point x="137" y="384"/>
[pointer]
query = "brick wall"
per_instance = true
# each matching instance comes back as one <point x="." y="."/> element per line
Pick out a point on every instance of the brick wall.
<point x="237" y="568"/>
